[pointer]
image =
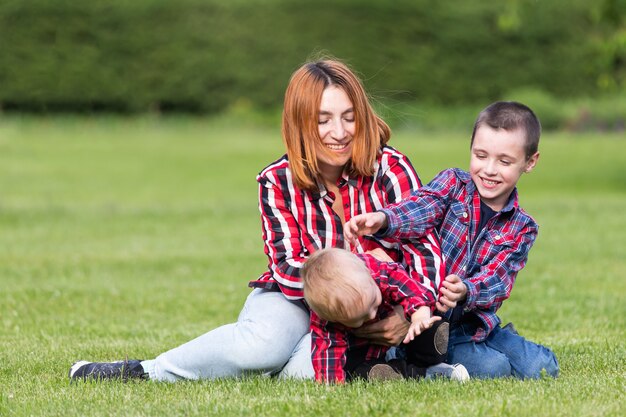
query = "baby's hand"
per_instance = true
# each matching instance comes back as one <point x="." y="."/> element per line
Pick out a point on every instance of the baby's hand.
<point x="363" y="224"/>
<point x="417" y="327"/>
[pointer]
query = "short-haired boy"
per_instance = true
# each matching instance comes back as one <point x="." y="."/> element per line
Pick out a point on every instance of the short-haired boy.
<point x="345" y="291"/>
<point x="485" y="239"/>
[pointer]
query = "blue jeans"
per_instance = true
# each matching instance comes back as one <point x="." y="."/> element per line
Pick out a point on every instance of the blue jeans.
<point x="300" y="365"/>
<point x="268" y="331"/>
<point x="503" y="353"/>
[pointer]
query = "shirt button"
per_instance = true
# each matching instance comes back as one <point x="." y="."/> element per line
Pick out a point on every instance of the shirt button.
<point x="498" y="237"/>
<point x="465" y="215"/>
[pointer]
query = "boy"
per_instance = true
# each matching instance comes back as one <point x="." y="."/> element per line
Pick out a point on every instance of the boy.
<point x="485" y="237"/>
<point x="345" y="291"/>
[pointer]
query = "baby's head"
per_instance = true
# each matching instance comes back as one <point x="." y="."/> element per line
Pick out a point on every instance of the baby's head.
<point x="504" y="146"/>
<point x="339" y="287"/>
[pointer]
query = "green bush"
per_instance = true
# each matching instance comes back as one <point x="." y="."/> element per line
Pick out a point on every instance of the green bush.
<point x="208" y="55"/>
<point x="605" y="113"/>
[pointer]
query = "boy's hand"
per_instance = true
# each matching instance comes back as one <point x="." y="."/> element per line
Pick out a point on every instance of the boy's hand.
<point x="452" y="291"/>
<point x="363" y="224"/>
<point x="417" y="327"/>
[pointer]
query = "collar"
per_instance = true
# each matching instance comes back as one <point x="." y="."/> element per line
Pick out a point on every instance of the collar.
<point x="513" y="203"/>
<point x="354" y="182"/>
<point x="351" y="181"/>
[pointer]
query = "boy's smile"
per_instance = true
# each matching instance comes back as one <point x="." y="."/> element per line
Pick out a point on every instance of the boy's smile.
<point x="497" y="161"/>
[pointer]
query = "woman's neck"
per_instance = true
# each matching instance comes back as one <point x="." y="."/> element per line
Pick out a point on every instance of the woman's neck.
<point x="330" y="175"/>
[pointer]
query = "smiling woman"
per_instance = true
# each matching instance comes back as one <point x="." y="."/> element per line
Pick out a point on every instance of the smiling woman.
<point x="329" y="90"/>
<point x="337" y="166"/>
<point x="336" y="129"/>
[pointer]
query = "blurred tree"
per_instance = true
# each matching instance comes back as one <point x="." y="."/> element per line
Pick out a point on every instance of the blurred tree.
<point x="609" y="17"/>
<point x="210" y="55"/>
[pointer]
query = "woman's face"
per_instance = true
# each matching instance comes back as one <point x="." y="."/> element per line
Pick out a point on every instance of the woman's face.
<point x="336" y="128"/>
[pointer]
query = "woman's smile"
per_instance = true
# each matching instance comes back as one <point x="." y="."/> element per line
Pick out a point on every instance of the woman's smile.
<point x="338" y="146"/>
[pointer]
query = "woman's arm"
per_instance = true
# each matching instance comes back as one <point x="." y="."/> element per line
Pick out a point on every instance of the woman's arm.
<point x="281" y="234"/>
<point x="420" y="256"/>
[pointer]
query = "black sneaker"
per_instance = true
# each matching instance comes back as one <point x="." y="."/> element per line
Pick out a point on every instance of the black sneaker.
<point x="442" y="335"/>
<point x="375" y="370"/>
<point x="383" y="372"/>
<point x="124" y="370"/>
<point x="430" y="347"/>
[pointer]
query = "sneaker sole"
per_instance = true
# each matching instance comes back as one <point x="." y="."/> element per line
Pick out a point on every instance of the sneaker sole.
<point x="75" y="367"/>
<point x="460" y="373"/>
<point x="441" y="338"/>
<point x="383" y="372"/>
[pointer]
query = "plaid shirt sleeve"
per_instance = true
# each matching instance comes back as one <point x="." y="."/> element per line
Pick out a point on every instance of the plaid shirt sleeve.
<point x="493" y="283"/>
<point x="422" y="211"/>
<point x="281" y="234"/>
<point x="329" y="345"/>
<point x="398" y="288"/>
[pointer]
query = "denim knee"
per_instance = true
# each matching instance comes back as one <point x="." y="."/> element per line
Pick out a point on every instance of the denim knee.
<point x="275" y="349"/>
<point x="479" y="360"/>
<point x="544" y="363"/>
<point x="495" y="365"/>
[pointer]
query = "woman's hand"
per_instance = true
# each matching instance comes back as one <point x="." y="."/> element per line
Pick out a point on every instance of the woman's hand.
<point x="387" y="332"/>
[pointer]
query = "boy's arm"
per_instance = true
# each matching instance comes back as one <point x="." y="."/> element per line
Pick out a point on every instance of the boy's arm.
<point x="495" y="279"/>
<point x="329" y="346"/>
<point x="364" y="224"/>
<point x="423" y="210"/>
<point x="409" y="218"/>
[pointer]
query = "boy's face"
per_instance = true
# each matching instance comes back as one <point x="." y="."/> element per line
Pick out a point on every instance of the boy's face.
<point x="497" y="161"/>
<point x="371" y="301"/>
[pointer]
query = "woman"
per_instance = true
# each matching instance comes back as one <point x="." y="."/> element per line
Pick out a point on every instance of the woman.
<point x="337" y="165"/>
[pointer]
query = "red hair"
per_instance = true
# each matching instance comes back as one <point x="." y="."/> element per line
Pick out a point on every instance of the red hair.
<point x="300" y="121"/>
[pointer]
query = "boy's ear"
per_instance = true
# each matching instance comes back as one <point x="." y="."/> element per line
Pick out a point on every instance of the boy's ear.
<point x="532" y="161"/>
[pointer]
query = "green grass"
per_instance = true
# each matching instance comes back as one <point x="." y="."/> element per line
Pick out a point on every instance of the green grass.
<point x="126" y="237"/>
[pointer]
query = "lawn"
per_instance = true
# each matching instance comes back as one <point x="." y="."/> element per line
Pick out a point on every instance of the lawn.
<point x="126" y="237"/>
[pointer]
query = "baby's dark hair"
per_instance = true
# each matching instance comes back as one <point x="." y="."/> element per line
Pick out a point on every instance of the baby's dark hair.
<point x="511" y="115"/>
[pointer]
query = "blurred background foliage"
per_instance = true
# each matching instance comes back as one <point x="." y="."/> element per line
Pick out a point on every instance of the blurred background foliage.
<point x="565" y="58"/>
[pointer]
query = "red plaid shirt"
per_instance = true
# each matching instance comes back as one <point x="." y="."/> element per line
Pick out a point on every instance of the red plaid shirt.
<point x="332" y="342"/>
<point x="296" y="222"/>
<point x="487" y="260"/>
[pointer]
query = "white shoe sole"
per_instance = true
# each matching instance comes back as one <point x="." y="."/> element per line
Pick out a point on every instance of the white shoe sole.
<point x="76" y="367"/>
<point x="460" y="373"/>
